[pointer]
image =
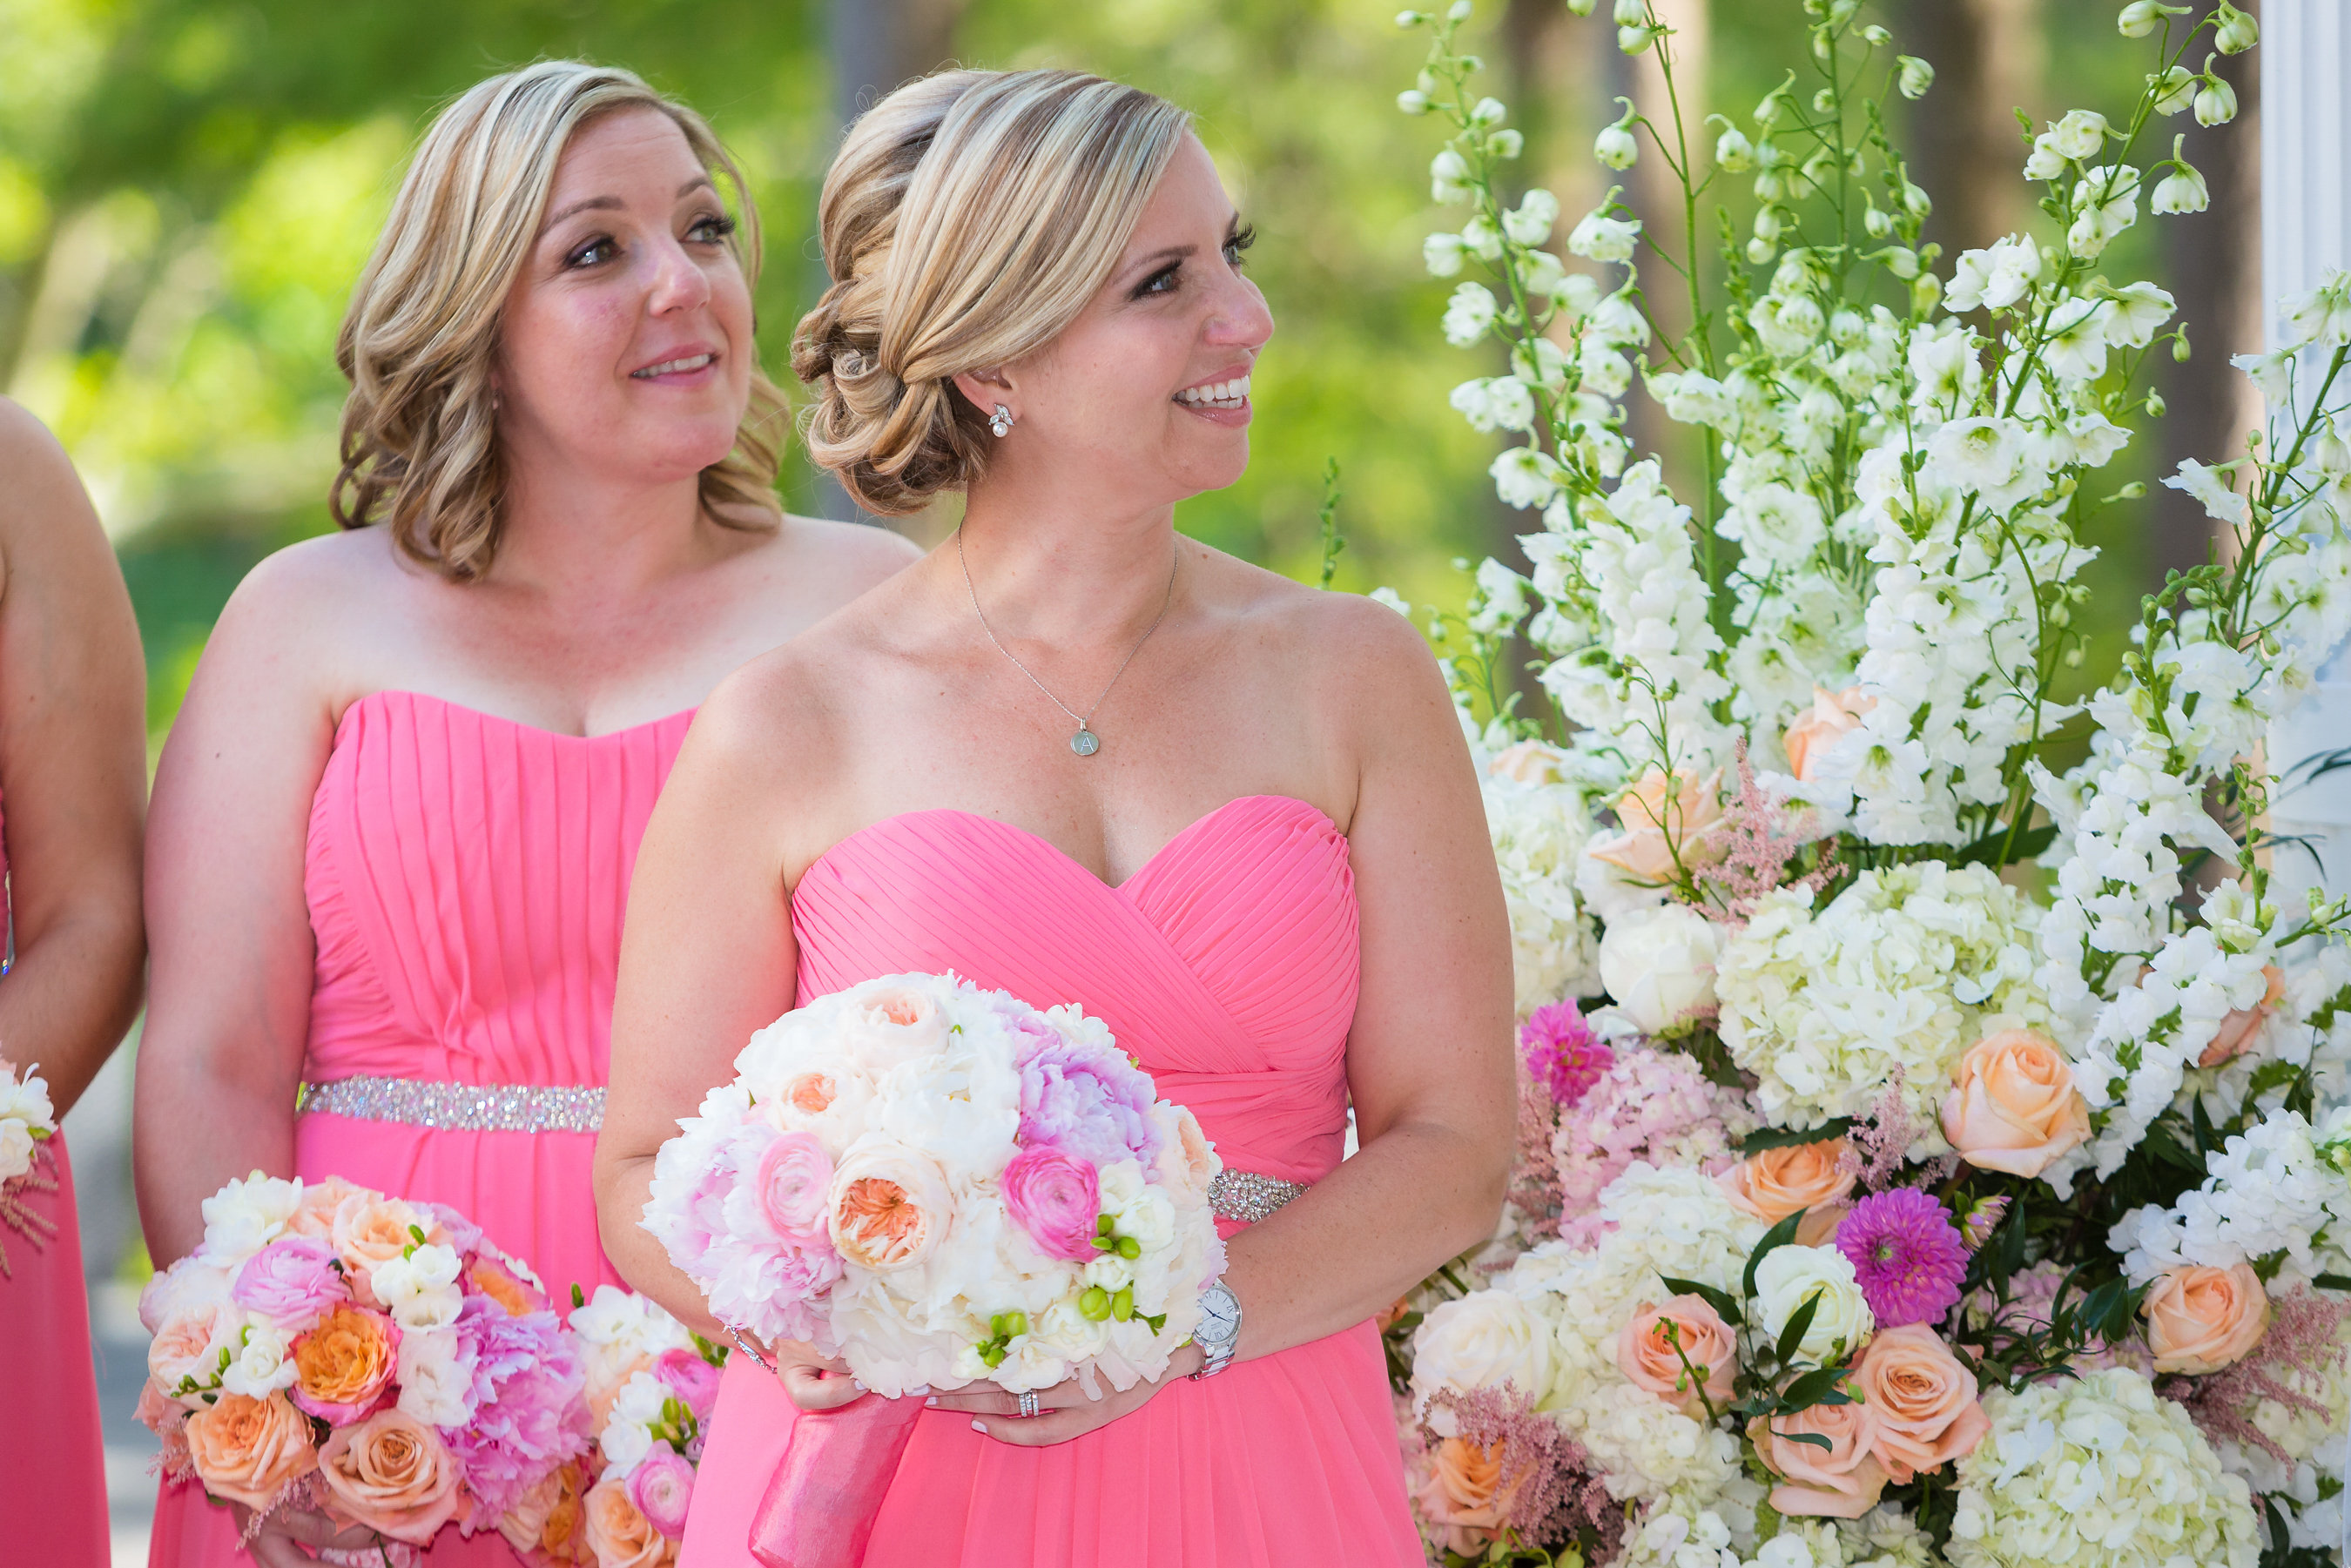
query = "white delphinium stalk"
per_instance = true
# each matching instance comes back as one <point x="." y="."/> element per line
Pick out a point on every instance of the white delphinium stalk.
<point x="2276" y="1194"/>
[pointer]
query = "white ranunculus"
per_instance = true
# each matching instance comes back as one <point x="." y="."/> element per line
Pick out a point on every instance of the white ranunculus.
<point x="436" y="1378"/>
<point x="1788" y="1277"/>
<point x="1658" y="964"/>
<point x="1481" y="1341"/>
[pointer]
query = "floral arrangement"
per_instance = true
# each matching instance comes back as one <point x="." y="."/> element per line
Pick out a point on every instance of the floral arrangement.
<point x="943" y="1186"/>
<point x="1924" y="1151"/>
<point x="328" y="1347"/>
<point x="27" y="1124"/>
<point x="650" y="1386"/>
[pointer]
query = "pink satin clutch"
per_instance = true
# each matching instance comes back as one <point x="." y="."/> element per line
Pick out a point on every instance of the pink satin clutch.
<point x="820" y="1504"/>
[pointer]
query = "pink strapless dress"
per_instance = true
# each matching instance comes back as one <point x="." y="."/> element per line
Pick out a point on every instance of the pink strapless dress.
<point x="466" y="877"/>
<point x="52" y="1461"/>
<point x="1228" y="965"/>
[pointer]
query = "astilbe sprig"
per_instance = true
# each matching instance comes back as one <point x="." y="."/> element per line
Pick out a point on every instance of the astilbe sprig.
<point x="1759" y="835"/>
<point x="2305" y="1339"/>
<point x="1550" y="1488"/>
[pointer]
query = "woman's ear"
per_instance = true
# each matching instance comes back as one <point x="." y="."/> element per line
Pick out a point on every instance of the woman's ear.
<point x="985" y="390"/>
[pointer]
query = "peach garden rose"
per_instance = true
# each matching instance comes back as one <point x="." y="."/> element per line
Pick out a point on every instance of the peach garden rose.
<point x="1775" y="1182"/>
<point x="391" y="1474"/>
<point x="1656" y="1341"/>
<point x="2012" y="1105"/>
<point x="1461" y="1493"/>
<point x="346" y="1365"/>
<point x="1666" y="822"/>
<point x="1841" y="1482"/>
<point x="247" y="1449"/>
<point x="1927" y="1413"/>
<point x="618" y="1533"/>
<point x="2200" y="1319"/>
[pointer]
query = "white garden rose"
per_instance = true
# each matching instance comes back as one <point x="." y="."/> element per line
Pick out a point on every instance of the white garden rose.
<point x="1481" y="1341"/>
<point x="1788" y="1277"/>
<point x="246" y="1216"/>
<point x="1659" y="964"/>
<point x="436" y="1378"/>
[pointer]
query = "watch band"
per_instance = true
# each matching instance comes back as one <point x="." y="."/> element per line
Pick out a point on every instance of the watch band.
<point x="1217" y="1353"/>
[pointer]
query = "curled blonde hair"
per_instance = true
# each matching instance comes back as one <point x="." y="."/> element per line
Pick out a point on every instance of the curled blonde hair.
<point x="420" y="448"/>
<point x="968" y="220"/>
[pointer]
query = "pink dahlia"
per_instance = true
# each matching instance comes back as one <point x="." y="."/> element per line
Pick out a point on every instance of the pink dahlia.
<point x="1561" y="1054"/>
<point x="1908" y="1254"/>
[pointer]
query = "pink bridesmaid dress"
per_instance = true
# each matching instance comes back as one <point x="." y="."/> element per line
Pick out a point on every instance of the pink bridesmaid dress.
<point x="52" y="1460"/>
<point x="466" y="877"/>
<point x="1228" y="965"/>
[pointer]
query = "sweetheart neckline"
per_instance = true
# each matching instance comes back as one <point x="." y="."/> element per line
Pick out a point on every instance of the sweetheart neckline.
<point x="485" y="715"/>
<point x="1050" y="847"/>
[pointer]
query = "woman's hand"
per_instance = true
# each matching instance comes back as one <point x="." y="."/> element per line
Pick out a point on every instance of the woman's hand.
<point x="282" y="1540"/>
<point x="1063" y="1411"/>
<point x="813" y="1381"/>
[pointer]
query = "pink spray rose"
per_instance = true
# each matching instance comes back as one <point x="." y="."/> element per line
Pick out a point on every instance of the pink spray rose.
<point x="691" y="1378"/>
<point x="793" y="1175"/>
<point x="661" y="1486"/>
<point x="292" y="1281"/>
<point x="1056" y="1198"/>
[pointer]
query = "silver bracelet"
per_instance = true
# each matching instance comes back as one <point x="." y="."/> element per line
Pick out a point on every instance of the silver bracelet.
<point x="761" y="1362"/>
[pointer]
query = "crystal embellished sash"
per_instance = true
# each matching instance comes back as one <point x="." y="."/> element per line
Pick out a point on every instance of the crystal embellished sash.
<point x="459" y="1107"/>
<point x="1247" y="1196"/>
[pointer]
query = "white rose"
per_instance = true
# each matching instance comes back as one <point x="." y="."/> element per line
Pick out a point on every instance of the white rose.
<point x="247" y="1214"/>
<point x="1658" y="964"/>
<point x="1482" y="1340"/>
<point x="261" y="1365"/>
<point x="436" y="1380"/>
<point x="186" y="1285"/>
<point x="1789" y="1276"/>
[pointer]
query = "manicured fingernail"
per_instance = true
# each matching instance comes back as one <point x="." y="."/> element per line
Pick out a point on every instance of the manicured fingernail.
<point x="933" y="1400"/>
<point x="980" y="1427"/>
<point x="859" y="1386"/>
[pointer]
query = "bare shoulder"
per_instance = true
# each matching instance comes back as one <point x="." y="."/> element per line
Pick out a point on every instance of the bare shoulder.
<point x="1324" y="635"/>
<point x="850" y="556"/>
<point x="44" y="503"/>
<point x="304" y="610"/>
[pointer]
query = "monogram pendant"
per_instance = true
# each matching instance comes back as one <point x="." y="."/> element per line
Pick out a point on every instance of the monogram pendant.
<point x="1085" y="743"/>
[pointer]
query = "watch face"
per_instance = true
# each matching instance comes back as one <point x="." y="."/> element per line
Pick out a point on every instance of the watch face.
<point x="1220" y="1315"/>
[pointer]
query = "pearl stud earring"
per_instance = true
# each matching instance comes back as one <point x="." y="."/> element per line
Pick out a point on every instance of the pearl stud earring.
<point x="999" y="423"/>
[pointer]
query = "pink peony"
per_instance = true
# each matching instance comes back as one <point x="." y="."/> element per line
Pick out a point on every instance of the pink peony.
<point x="292" y="1282"/>
<point x="691" y="1378"/>
<point x="661" y="1486"/>
<point x="1056" y="1199"/>
<point x="1087" y="1101"/>
<point x="793" y="1175"/>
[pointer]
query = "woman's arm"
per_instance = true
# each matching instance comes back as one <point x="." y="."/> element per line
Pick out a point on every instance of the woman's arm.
<point x="73" y="769"/>
<point x="228" y="1020"/>
<point x="706" y="956"/>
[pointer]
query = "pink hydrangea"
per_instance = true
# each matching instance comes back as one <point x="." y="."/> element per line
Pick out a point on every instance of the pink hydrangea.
<point x="1646" y="1105"/>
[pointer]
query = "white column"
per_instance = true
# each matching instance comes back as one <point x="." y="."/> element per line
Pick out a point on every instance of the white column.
<point x="2305" y="124"/>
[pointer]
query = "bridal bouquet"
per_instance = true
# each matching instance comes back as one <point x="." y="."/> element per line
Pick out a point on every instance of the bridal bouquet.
<point x="650" y="1384"/>
<point x="26" y="1125"/>
<point x="1925" y="1145"/>
<point x="328" y="1346"/>
<point x="943" y="1186"/>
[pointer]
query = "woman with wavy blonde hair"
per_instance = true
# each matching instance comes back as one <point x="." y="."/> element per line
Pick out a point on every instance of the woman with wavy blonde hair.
<point x="394" y="823"/>
<point x="1076" y="757"/>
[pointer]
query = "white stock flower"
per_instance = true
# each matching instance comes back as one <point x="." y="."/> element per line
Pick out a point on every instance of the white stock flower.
<point x="1659" y="963"/>
<point x="421" y="1290"/>
<point x="1789" y="1276"/>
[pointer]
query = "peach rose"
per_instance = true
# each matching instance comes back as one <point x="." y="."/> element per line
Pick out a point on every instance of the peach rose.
<point x="618" y="1533"/>
<point x="2012" y="1105"/>
<point x="391" y="1474"/>
<point x="1776" y="1183"/>
<point x="1841" y="1482"/>
<point x="888" y="1207"/>
<point x="2200" y="1319"/>
<point x="1528" y="762"/>
<point x="1664" y="816"/>
<point x="494" y="1280"/>
<point x="1926" y="1401"/>
<point x="247" y="1449"/>
<point x="1652" y="1347"/>
<point x="1461" y="1494"/>
<point x="1814" y="732"/>
<point x="346" y="1365"/>
<point x="546" y="1519"/>
<point x="2241" y="1028"/>
<point x="188" y="1343"/>
<point x="314" y="1215"/>
<point x="369" y="1230"/>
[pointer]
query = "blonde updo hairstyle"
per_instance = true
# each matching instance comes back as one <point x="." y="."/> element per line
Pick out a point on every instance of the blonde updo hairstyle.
<point x="968" y="220"/>
<point x="420" y="447"/>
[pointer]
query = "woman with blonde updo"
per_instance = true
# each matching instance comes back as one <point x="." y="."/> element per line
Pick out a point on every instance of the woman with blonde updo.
<point x="394" y="824"/>
<point x="1079" y="757"/>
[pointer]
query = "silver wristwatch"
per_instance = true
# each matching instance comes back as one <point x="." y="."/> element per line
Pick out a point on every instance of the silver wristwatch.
<point x="1220" y="1330"/>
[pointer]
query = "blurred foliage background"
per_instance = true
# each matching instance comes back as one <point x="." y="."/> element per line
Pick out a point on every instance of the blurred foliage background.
<point x="188" y="187"/>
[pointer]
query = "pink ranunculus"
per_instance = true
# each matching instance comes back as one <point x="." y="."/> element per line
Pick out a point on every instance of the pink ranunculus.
<point x="691" y="1378"/>
<point x="292" y="1281"/>
<point x="791" y="1180"/>
<point x="661" y="1486"/>
<point x="1056" y="1198"/>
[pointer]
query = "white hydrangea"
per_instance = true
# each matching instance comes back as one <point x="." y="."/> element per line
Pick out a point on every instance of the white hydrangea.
<point x="2098" y="1471"/>
<point x="2279" y="1186"/>
<point x="1539" y="827"/>
<point x="1907" y="968"/>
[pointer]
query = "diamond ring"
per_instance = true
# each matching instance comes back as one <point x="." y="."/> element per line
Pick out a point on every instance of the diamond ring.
<point x="1028" y="1406"/>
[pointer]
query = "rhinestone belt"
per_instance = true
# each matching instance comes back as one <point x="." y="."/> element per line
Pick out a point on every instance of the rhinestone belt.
<point x="459" y="1107"/>
<point x="1247" y="1196"/>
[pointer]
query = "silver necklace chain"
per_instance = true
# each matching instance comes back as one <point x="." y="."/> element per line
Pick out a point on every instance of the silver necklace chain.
<point x="1085" y="742"/>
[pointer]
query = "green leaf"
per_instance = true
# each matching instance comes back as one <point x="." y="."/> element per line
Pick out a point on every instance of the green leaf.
<point x="1779" y="1236"/>
<point x="1800" y="1322"/>
<point x="1815" y="1438"/>
<point x="1725" y="1305"/>
<point x="2332" y="1282"/>
<point x="1995" y="849"/>
<point x="1821" y="1385"/>
<point x="1763" y="1138"/>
